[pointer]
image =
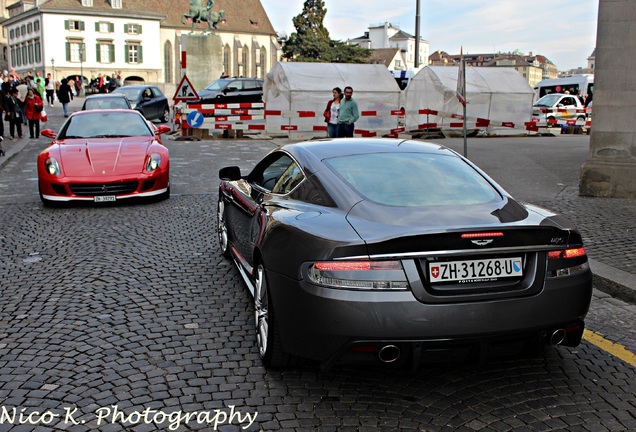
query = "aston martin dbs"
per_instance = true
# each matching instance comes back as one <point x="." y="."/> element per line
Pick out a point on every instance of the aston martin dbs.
<point x="104" y="156"/>
<point x="399" y="252"/>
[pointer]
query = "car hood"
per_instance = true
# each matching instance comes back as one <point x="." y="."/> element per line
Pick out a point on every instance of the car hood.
<point x="105" y="156"/>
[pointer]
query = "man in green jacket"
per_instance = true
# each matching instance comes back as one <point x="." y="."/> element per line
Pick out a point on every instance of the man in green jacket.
<point x="348" y="114"/>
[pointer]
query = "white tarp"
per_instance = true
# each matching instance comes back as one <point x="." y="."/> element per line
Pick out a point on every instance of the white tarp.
<point x="497" y="94"/>
<point x="295" y="86"/>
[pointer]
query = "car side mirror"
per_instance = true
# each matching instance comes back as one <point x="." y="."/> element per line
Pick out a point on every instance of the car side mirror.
<point x="49" y="133"/>
<point x="162" y="129"/>
<point x="230" y="173"/>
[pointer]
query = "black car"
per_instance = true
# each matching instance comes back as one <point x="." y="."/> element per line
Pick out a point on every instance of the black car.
<point x="232" y="90"/>
<point x="106" y="101"/>
<point x="396" y="251"/>
<point x="148" y="100"/>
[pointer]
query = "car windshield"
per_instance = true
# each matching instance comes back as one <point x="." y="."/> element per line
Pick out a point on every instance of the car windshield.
<point x="105" y="103"/>
<point x="413" y="179"/>
<point x="548" y="100"/>
<point x="131" y="93"/>
<point x="218" y="85"/>
<point x="105" y="125"/>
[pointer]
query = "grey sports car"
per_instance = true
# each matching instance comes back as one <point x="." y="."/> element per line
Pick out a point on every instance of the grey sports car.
<point x="395" y="251"/>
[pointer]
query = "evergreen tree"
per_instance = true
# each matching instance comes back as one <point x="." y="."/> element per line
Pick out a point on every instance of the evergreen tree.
<point x="311" y="40"/>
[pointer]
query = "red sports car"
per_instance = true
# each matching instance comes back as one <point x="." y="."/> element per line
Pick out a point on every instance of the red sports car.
<point x="104" y="156"/>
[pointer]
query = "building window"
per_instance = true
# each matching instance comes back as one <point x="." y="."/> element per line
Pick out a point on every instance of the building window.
<point x="75" y="51"/>
<point x="38" y="51"/>
<point x="226" y="59"/>
<point x="30" y="28"/>
<point x="12" y="34"/>
<point x="30" y="52"/>
<point x="36" y="26"/>
<point x="116" y="4"/>
<point x="24" y="54"/>
<point x="105" y="51"/>
<point x="87" y="3"/>
<point x="134" y="53"/>
<point x="75" y="25"/>
<point x="104" y="27"/>
<point x="132" y="29"/>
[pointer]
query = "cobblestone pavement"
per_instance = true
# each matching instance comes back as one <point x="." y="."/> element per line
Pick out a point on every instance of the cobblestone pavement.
<point x="128" y="318"/>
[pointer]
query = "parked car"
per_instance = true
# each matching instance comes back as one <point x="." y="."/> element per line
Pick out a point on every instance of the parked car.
<point x="104" y="156"/>
<point x="557" y="106"/>
<point x="106" y="101"/>
<point x="148" y="100"/>
<point x="395" y="251"/>
<point x="232" y="90"/>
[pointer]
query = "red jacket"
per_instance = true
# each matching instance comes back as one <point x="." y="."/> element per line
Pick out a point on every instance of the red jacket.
<point x="29" y="107"/>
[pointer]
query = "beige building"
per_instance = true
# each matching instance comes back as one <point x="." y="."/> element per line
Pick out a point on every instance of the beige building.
<point x="140" y="38"/>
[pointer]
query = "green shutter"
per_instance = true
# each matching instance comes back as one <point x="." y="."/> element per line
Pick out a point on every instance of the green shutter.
<point x="66" y="26"/>
<point x="139" y="28"/>
<point x="127" y="53"/>
<point x="111" y="27"/>
<point x="111" y="52"/>
<point x="140" y="52"/>
<point x="98" y="53"/>
<point x="68" y="51"/>
<point x="82" y="26"/>
<point x="125" y="28"/>
<point x="97" y="27"/>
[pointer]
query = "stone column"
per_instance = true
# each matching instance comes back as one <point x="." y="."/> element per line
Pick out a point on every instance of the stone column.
<point x="610" y="170"/>
<point x="204" y="59"/>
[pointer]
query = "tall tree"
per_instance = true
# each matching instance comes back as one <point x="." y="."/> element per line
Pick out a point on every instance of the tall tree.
<point x="311" y="42"/>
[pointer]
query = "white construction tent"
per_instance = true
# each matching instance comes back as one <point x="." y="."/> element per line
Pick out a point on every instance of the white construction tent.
<point x="500" y="95"/>
<point x="294" y="90"/>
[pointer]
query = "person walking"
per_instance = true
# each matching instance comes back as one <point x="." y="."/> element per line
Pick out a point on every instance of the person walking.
<point x="348" y="114"/>
<point x="13" y="112"/>
<point x="65" y="95"/>
<point x="33" y="106"/>
<point x="49" y="85"/>
<point x="331" y="113"/>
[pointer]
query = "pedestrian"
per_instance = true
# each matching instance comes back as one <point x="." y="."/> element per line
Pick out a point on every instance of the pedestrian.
<point x="113" y="83"/>
<point x="78" y="85"/>
<point x="331" y="112"/>
<point x="348" y="114"/>
<point x="22" y="92"/>
<point x="33" y="106"/>
<point x="40" y="87"/>
<point x="65" y="95"/>
<point x="13" y="113"/>
<point x="49" y="86"/>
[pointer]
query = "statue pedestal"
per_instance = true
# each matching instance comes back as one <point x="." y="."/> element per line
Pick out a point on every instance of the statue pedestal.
<point x="204" y="58"/>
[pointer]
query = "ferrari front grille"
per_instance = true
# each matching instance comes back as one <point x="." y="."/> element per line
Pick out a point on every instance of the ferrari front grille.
<point x="93" y="189"/>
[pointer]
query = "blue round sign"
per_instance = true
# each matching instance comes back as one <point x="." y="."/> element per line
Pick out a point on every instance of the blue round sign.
<point x="195" y="119"/>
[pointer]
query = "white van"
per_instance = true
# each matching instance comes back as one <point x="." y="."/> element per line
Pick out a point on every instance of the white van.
<point x="571" y="84"/>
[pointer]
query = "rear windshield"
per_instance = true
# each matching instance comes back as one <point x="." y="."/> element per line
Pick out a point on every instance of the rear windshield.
<point x="413" y="179"/>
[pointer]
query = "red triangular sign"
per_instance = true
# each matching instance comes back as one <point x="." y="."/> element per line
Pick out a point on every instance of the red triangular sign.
<point x="185" y="91"/>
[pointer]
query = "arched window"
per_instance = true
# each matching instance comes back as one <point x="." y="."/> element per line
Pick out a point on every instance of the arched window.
<point x="227" y="55"/>
<point x="245" y="58"/>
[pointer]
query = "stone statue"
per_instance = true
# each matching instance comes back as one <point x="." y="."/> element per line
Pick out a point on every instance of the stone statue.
<point x="199" y="13"/>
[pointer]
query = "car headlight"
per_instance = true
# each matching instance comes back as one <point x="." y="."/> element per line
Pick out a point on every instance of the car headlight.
<point x="51" y="166"/>
<point x="153" y="162"/>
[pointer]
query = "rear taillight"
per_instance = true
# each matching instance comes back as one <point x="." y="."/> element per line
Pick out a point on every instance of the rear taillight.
<point x="567" y="262"/>
<point x="361" y="275"/>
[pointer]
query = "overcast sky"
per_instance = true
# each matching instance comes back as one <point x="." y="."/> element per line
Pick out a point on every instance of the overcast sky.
<point x="564" y="32"/>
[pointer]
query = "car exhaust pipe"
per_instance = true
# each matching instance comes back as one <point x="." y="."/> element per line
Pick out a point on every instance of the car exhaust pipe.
<point x="558" y="336"/>
<point x="389" y="353"/>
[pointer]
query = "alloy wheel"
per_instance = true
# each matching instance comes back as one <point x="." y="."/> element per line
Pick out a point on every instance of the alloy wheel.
<point x="261" y="312"/>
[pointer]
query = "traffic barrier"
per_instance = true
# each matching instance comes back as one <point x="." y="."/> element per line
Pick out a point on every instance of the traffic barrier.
<point x="241" y="117"/>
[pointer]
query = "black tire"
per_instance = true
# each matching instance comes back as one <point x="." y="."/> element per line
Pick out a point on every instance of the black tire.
<point x="270" y="347"/>
<point x="166" y="115"/>
<point x="221" y="229"/>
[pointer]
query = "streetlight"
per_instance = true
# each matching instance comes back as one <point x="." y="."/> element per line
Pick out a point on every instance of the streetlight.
<point x="81" y="55"/>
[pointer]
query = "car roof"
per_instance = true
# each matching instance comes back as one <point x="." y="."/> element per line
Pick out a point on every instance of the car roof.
<point x="106" y="95"/>
<point x="328" y="148"/>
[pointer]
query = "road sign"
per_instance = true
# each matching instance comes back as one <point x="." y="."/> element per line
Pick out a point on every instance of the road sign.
<point x="185" y="91"/>
<point x="195" y="119"/>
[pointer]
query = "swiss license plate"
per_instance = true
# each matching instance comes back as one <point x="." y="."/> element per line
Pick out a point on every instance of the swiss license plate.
<point x="482" y="270"/>
<point x="104" y="198"/>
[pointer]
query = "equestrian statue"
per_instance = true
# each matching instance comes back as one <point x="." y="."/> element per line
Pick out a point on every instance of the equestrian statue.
<point x="199" y="13"/>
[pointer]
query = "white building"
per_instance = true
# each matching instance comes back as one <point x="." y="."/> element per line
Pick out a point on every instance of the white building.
<point x="389" y="36"/>
<point x="140" y="38"/>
